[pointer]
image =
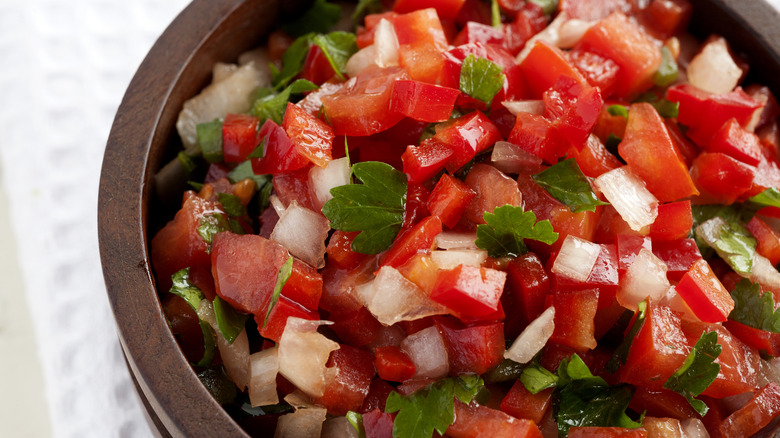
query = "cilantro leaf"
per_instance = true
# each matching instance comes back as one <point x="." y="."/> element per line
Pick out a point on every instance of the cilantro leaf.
<point x="281" y="278"/>
<point x="292" y="61"/>
<point x="375" y="208"/>
<point x="244" y="171"/>
<point x="211" y="224"/>
<point x="618" y="110"/>
<point x="356" y="420"/>
<point x="230" y="321"/>
<point x="621" y="354"/>
<point x="732" y="241"/>
<point x="232" y="204"/>
<point x="272" y="105"/>
<point x="210" y="140"/>
<point x="481" y="78"/>
<point x="186" y="162"/>
<point x="320" y="18"/>
<point x="338" y="47"/>
<point x="667" y="71"/>
<point x="365" y="7"/>
<point x="536" y="378"/>
<point x="495" y="14"/>
<point x="769" y="197"/>
<point x="665" y="108"/>
<point x="698" y="371"/>
<point x="753" y="309"/>
<point x="432" y="408"/>
<point x="506" y="229"/>
<point x="565" y="182"/>
<point x="184" y="288"/>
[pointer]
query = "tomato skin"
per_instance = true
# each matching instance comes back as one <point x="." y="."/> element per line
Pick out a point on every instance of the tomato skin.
<point x="424" y="102"/>
<point x="316" y="67"/>
<point x="536" y="134"/>
<point x="422" y="61"/>
<point x="767" y="238"/>
<point x="475" y="420"/>
<point x="467" y="136"/>
<point x="574" y="318"/>
<point x="734" y="141"/>
<point x="520" y="403"/>
<point x="527" y="284"/>
<point x="757" y="413"/>
<point x="679" y="256"/>
<point x="705" y="294"/>
<point x="313" y="138"/>
<point x="449" y="200"/>
<point x="598" y="70"/>
<point x="421" y="26"/>
<point x="350" y="384"/>
<point x="493" y="189"/>
<point x="606" y="432"/>
<point x="340" y="251"/>
<point x="446" y="9"/>
<point x="422" y="162"/>
<point x="304" y="285"/>
<point x="453" y="60"/>
<point x="721" y="178"/>
<point x="474" y="32"/>
<point x="473" y="349"/>
<point x="542" y="67"/>
<point x="573" y="109"/>
<point x="239" y="136"/>
<point x="418" y="240"/>
<point x="280" y="152"/>
<point x="469" y="290"/>
<point x="674" y="221"/>
<point x="277" y="319"/>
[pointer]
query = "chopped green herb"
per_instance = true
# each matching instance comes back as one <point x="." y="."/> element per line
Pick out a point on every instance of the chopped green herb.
<point x="565" y="182"/>
<point x="621" y="354"/>
<point x="753" y="309"/>
<point x="375" y="208"/>
<point x="665" y="108"/>
<point x="768" y="198"/>
<point x="272" y="106"/>
<point x="536" y="378"/>
<point x="618" y="110"/>
<point x="196" y="185"/>
<point x="495" y="13"/>
<point x="703" y="213"/>
<point x="481" y="78"/>
<point x="210" y="140"/>
<point x="281" y="278"/>
<point x="356" y="420"/>
<point x="232" y="204"/>
<point x="264" y="196"/>
<point x="732" y="241"/>
<point x="338" y="47"/>
<point x="211" y="224"/>
<point x="320" y="18"/>
<point x="186" y="162"/>
<point x="292" y="62"/>
<point x="258" y="152"/>
<point x="548" y="6"/>
<point x="698" y="371"/>
<point x="230" y="321"/>
<point x="505" y="371"/>
<point x="184" y="288"/>
<point x="667" y="72"/>
<point x="506" y="229"/>
<point x="244" y="171"/>
<point x="365" y="7"/>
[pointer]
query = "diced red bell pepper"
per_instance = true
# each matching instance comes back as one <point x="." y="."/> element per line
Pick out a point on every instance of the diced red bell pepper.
<point x="304" y="285"/>
<point x="720" y="178"/>
<point x="674" y="221"/>
<point x="418" y="240"/>
<point x="679" y="256"/>
<point x="393" y="364"/>
<point x="449" y="200"/>
<point x="474" y="32"/>
<point x="358" y="328"/>
<point x="573" y="108"/>
<point x="489" y="422"/>
<point x="520" y="403"/>
<point x="766" y="343"/>
<point x="424" y="102"/>
<point x="734" y="141"/>
<point x="420" y="163"/>
<point x="604" y="276"/>
<point x="574" y="318"/>
<point x="513" y="89"/>
<point x="316" y="67"/>
<point x="239" y="136"/>
<point x="467" y="136"/>
<point x="606" y="432"/>
<point x="757" y="413"/>
<point x="281" y="154"/>
<point x="469" y="290"/>
<point x="277" y="319"/>
<point x="542" y="67"/>
<point x="704" y="293"/>
<point x="598" y="70"/>
<point x="628" y="246"/>
<point x="416" y="206"/>
<point x="649" y="151"/>
<point x="349" y="385"/>
<point x="535" y="134"/>
<point x="313" y="138"/>
<point x="527" y="284"/>
<point x="378" y="424"/>
<point x="446" y="9"/>
<point x="617" y="38"/>
<point x="493" y="189"/>
<point x="767" y="238"/>
<point x="594" y="159"/>
<point x="475" y="349"/>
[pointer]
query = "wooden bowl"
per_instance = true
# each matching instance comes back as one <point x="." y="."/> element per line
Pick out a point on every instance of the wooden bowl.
<point x="143" y="137"/>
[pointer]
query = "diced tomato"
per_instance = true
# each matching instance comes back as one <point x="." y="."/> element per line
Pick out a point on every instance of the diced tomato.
<point x="594" y="159"/>
<point x="467" y="136"/>
<point x="684" y="146"/>
<point x="473" y="10"/>
<point x="766" y="343"/>
<point x="529" y="20"/>
<point x="313" y="138"/>
<point x="280" y="154"/>
<point x="606" y="432"/>
<point x="649" y="151"/>
<point x="520" y="403"/>
<point x="473" y="349"/>
<point x="393" y="364"/>
<point x="674" y="221"/>
<point x="474" y="32"/>
<point x="422" y="61"/>
<point x="340" y="249"/>
<point x="316" y="67"/>
<point x="617" y="38"/>
<point x="573" y="109"/>
<point x="354" y="370"/>
<point x="453" y="60"/>
<point x="378" y="424"/>
<point x="574" y="318"/>
<point x="768" y="239"/>
<point x="358" y="328"/>
<point x="513" y="89"/>
<point x="239" y="136"/>
<point x="757" y="413"/>
<point x="447" y="9"/>
<point x="421" y="27"/>
<point x="489" y="422"/>
<point x="420" y="163"/>
<point x="493" y="189"/>
<point x="416" y="206"/>
<point x="661" y="403"/>
<point x="469" y="290"/>
<point x="304" y="285"/>
<point x="542" y="67"/>
<point x="598" y="70"/>
<point x="734" y="141"/>
<point x="628" y="246"/>
<point x="604" y="276"/>
<point x="420" y="270"/>
<point x="526" y="287"/>
<point x="338" y="294"/>
<point x="679" y="256"/>
<point x="424" y="102"/>
<point x="720" y="178"/>
<point x="284" y="308"/>
<point x="667" y="17"/>
<point x="362" y="107"/>
<point x="594" y="10"/>
<point x="418" y="240"/>
<point x="449" y="200"/>
<point x="535" y="134"/>
<point x="704" y="293"/>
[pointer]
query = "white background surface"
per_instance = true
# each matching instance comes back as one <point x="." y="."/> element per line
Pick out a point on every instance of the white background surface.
<point x="64" y="66"/>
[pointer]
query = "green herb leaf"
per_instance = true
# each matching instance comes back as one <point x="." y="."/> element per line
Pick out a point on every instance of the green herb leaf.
<point x="196" y="185"/>
<point x="495" y="13"/>
<point x="232" y="204"/>
<point x="230" y="321"/>
<point x="184" y="288"/>
<point x="259" y="152"/>
<point x="565" y="182"/>
<point x="281" y="278"/>
<point x="320" y="18"/>
<point x="375" y="208"/>
<point x="769" y="198"/>
<point x="667" y="72"/>
<point x="506" y="229"/>
<point x="481" y="78"/>
<point x="186" y="162"/>
<point x="356" y="420"/>
<point x="536" y="378"/>
<point x="211" y="224"/>
<point x="338" y="47"/>
<point x="210" y="140"/>
<point x="753" y="309"/>
<point x="621" y="354"/>
<point x="698" y="371"/>
<point x="505" y="371"/>
<point x="272" y="106"/>
<point x="244" y="171"/>
<point x="665" y="108"/>
<point x="612" y="143"/>
<point x="548" y="6"/>
<point x="365" y="7"/>
<point x="732" y="241"/>
<point x="618" y="110"/>
<point x="432" y="408"/>
<point x="292" y="61"/>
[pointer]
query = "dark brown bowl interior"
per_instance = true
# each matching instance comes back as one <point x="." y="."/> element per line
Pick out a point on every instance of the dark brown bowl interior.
<point x="143" y="137"/>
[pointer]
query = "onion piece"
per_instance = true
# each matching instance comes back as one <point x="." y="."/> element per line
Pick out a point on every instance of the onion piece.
<point x="510" y="158"/>
<point x="264" y="366"/>
<point x="694" y="428"/>
<point x="303" y="233"/>
<point x="456" y="240"/>
<point x="277" y="204"/>
<point x="427" y="351"/>
<point x="391" y="298"/>
<point x="303" y="353"/>
<point x="550" y="34"/>
<point x="338" y="427"/>
<point x="678" y="304"/>
<point x="221" y="71"/>
<point x="713" y="69"/>
<point x="628" y="194"/>
<point x="576" y="258"/>
<point x="303" y="423"/>
<point x="383" y="53"/>
<point x="524" y="106"/>
<point x="764" y="273"/>
<point x="571" y="32"/>
<point x="235" y="356"/>
<point x="645" y="277"/>
<point x="533" y="338"/>
<point x="322" y="179"/>
<point x="454" y="257"/>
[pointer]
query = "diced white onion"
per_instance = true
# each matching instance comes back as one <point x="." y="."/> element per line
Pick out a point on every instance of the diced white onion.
<point x="452" y="258"/>
<point x="221" y="71"/>
<point x="303" y="353"/>
<point x="550" y="34"/>
<point x="338" y="427"/>
<point x="391" y="298"/>
<point x="235" y="356"/>
<point x="258" y="56"/>
<point x="576" y="258"/>
<point x="427" y="351"/>
<point x="645" y="277"/>
<point x="322" y="179"/>
<point x="360" y="60"/>
<point x="230" y="95"/>
<point x="764" y="273"/>
<point x="524" y="106"/>
<point x="713" y="69"/>
<point x="510" y="158"/>
<point x="303" y="423"/>
<point x="264" y="366"/>
<point x="277" y="204"/>
<point x="303" y="233"/>
<point x="533" y="338"/>
<point x="383" y="53"/>
<point x="678" y="304"/>
<point x="694" y="428"/>
<point x="628" y="194"/>
<point x="456" y="240"/>
<point x="571" y="32"/>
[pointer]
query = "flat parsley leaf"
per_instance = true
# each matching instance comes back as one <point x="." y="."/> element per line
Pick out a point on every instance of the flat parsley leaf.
<point x="272" y="105"/>
<point x="618" y="110"/>
<point x="281" y="278"/>
<point x="244" y="171"/>
<point x="210" y="224"/>
<point x="667" y="72"/>
<point x="338" y="47"/>
<point x="320" y="18"/>
<point x="481" y="78"/>
<point x="732" y="241"/>
<point x="292" y="62"/>
<point x="432" y="408"/>
<point x="210" y="140"/>
<point x="376" y="207"/>
<point x="232" y="204"/>
<point x="230" y="321"/>
<point x="536" y="378"/>
<point x="621" y="354"/>
<point x="698" y="371"/>
<point x="184" y="288"/>
<point x="356" y="420"/>
<point x="565" y="182"/>
<point x="753" y="309"/>
<point x="769" y="197"/>
<point x="506" y="229"/>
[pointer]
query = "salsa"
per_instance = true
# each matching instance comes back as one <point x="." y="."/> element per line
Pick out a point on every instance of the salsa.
<point x="481" y="218"/>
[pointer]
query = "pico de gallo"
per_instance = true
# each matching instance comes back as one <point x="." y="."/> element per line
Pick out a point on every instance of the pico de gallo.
<point x="472" y="218"/>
